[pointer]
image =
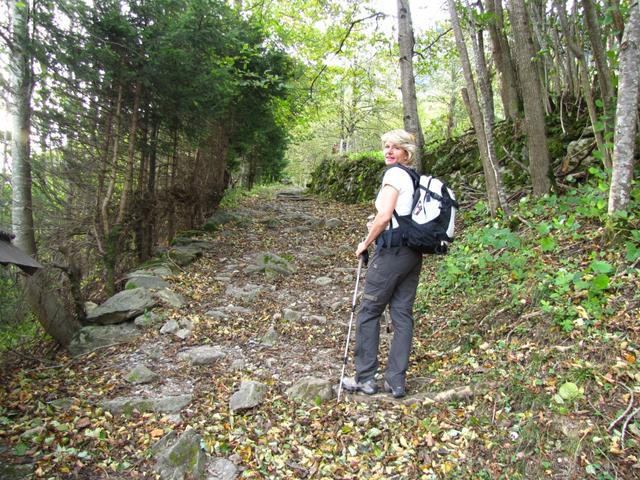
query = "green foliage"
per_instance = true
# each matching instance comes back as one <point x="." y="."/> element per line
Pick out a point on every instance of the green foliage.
<point x="234" y="196"/>
<point x="9" y="297"/>
<point x="13" y="334"/>
<point x="553" y="257"/>
<point x="348" y="180"/>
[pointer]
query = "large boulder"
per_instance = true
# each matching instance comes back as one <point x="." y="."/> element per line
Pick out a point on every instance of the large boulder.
<point x="146" y="281"/>
<point x="180" y="457"/>
<point x="122" y="306"/>
<point x="170" y="297"/>
<point x="159" y="270"/>
<point x="95" y="336"/>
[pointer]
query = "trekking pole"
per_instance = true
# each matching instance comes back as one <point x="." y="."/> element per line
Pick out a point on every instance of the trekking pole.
<point x="353" y="309"/>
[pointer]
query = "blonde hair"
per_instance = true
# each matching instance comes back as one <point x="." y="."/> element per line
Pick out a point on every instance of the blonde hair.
<point x="404" y="140"/>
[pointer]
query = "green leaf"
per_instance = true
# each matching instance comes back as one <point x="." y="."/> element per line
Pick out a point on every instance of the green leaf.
<point x="633" y="252"/>
<point x="599" y="266"/>
<point x="548" y="244"/>
<point x="20" y="449"/>
<point x="600" y="282"/>
<point x="569" y="391"/>
<point x="543" y="228"/>
<point x="582" y="285"/>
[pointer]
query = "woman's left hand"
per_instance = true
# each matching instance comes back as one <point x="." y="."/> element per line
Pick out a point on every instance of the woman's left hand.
<point x="362" y="247"/>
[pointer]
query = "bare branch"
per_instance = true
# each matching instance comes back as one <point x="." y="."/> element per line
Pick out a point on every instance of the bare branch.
<point x="428" y="47"/>
<point x="375" y="15"/>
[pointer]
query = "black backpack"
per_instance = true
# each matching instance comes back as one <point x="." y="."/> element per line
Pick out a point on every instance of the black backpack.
<point x="429" y="228"/>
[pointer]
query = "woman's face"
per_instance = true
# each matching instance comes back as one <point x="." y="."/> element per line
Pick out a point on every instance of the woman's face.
<point x="394" y="154"/>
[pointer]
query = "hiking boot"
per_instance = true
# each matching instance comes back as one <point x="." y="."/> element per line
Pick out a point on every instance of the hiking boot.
<point x="397" y="392"/>
<point x="368" y="387"/>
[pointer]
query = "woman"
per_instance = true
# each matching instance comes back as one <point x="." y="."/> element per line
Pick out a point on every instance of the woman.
<point x="392" y="276"/>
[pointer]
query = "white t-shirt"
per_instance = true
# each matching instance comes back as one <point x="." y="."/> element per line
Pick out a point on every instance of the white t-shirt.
<point x="401" y="181"/>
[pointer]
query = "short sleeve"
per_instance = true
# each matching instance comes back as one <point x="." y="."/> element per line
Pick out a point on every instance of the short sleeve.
<point x="396" y="177"/>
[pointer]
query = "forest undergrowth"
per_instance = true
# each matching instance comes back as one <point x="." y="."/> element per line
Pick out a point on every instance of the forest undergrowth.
<point x="536" y="314"/>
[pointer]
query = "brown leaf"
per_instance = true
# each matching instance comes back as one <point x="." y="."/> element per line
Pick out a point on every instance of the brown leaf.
<point x="83" y="422"/>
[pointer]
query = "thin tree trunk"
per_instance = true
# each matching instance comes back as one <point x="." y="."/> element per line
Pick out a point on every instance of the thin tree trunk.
<point x="618" y="20"/>
<point x="503" y="60"/>
<point x="626" y="114"/>
<point x="104" y="207"/>
<point x="128" y="179"/>
<point x="149" y="219"/>
<point x="408" y="81"/>
<point x="595" y="36"/>
<point x="473" y="105"/>
<point x="451" y="120"/>
<point x="532" y="97"/>
<point x="488" y="113"/>
<point x="171" y="214"/>
<point x="584" y="81"/>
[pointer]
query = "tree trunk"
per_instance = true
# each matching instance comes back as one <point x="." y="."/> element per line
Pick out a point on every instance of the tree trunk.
<point x="45" y="303"/>
<point x="532" y="97"/>
<point x="171" y="183"/>
<point x="408" y="81"/>
<point x="618" y="20"/>
<point x="584" y="81"/>
<point x="104" y="206"/>
<point x="149" y="199"/>
<point x="471" y="101"/>
<point x="503" y="60"/>
<point x="128" y="180"/>
<point x="20" y="106"/>
<point x="535" y="16"/>
<point x="488" y="114"/>
<point x="599" y="53"/>
<point x="626" y="111"/>
<point x="451" y="120"/>
<point x="50" y="311"/>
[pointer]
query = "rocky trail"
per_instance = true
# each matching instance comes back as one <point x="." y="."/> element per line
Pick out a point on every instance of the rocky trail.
<point x="222" y="361"/>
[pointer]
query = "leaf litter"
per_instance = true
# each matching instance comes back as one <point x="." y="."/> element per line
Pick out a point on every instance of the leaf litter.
<point x="516" y="401"/>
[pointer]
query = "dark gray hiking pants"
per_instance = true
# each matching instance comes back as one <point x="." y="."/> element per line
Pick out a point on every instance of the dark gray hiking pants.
<point x="392" y="278"/>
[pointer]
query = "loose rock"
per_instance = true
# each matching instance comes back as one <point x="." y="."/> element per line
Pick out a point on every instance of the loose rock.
<point x="141" y="374"/>
<point x="180" y="457"/>
<point x="202" y="355"/>
<point x="308" y="389"/>
<point x="250" y="395"/>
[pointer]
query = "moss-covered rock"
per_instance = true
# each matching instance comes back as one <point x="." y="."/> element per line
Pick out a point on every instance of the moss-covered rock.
<point x="349" y="181"/>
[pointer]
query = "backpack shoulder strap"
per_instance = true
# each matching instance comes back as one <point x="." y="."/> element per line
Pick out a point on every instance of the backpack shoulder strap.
<point x="415" y="178"/>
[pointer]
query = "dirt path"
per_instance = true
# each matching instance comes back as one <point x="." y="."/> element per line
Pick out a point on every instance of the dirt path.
<point x="266" y="327"/>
